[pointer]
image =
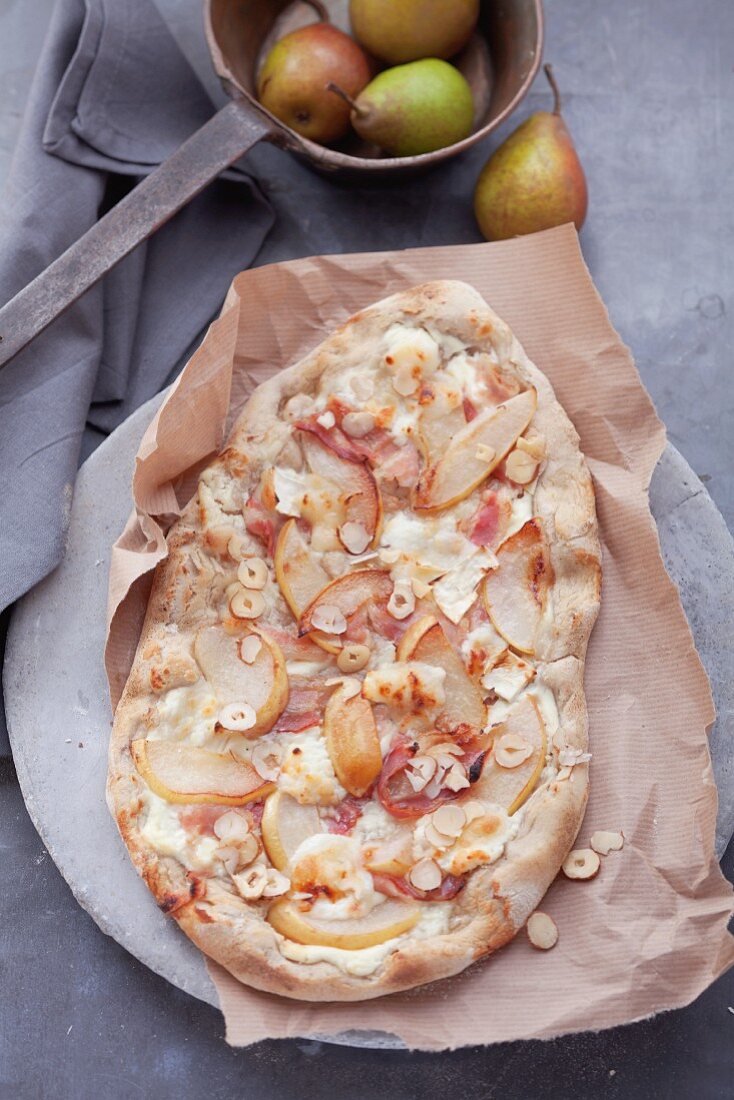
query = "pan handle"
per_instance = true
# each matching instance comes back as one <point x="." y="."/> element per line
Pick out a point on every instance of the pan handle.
<point x="220" y="142"/>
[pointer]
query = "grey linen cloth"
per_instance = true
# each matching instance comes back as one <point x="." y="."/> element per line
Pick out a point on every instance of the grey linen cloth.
<point x="112" y="97"/>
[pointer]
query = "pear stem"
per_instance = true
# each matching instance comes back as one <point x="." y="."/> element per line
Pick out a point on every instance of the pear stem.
<point x="320" y="9"/>
<point x="548" y="70"/>
<point x="332" y="87"/>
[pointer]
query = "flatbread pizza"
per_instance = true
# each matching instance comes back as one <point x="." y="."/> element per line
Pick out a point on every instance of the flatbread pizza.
<point x="352" y="751"/>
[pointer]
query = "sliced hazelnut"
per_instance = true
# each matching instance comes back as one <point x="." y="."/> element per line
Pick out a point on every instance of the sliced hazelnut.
<point x="354" y="537"/>
<point x="247" y="605"/>
<point x="420" y="588"/>
<point x="248" y="849"/>
<point x="252" y="573"/>
<point x="449" y="820"/>
<point x="570" y="757"/>
<point x="438" y="840"/>
<point x="449" y="747"/>
<point x="520" y="467"/>
<point x="237" y="717"/>
<point x="251" y="883"/>
<point x="425" y="875"/>
<point x="485" y="453"/>
<point x="249" y="647"/>
<point x="456" y="778"/>
<point x="353" y="658"/>
<point x="327" y="419"/>
<point x="420" y="772"/>
<point x="511" y="750"/>
<point x="604" y="842"/>
<point x="265" y="760"/>
<point x="581" y="863"/>
<point x="402" y="601"/>
<point x="534" y="447"/>
<point x="473" y="809"/>
<point x="236" y="547"/>
<point x="276" y="884"/>
<point x="230" y="857"/>
<point x="329" y="619"/>
<point x="358" y="424"/>
<point x="542" y="931"/>
<point x="231" y="827"/>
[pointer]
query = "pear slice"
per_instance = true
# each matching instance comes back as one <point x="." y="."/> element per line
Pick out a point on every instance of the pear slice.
<point x="473" y="453"/>
<point x="510" y="787"/>
<point x="300" y="577"/>
<point x="263" y="684"/>
<point x="390" y="857"/>
<point x="352" y="741"/>
<point x="347" y="594"/>
<point x="425" y="641"/>
<point x="384" y="922"/>
<point x="516" y="592"/>
<point x="357" y="485"/>
<point x="185" y="774"/>
<point x="285" y="825"/>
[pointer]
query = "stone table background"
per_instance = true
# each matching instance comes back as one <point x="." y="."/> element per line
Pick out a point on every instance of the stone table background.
<point x="649" y="97"/>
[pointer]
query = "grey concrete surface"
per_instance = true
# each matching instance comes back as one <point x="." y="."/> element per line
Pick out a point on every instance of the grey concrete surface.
<point x="649" y="97"/>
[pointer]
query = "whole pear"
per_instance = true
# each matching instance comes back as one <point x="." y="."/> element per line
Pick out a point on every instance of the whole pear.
<point x="406" y="30"/>
<point x="292" y="83"/>
<point x="534" y="180"/>
<point x="415" y="108"/>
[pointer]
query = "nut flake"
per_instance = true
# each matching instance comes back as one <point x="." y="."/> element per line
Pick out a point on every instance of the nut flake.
<point x="425" y="875"/>
<point x="456" y="779"/>
<point x="354" y="537"/>
<point x="358" y="424"/>
<point x="420" y="588"/>
<point x="265" y="760"/>
<point x="251" y="883"/>
<point x="582" y="863"/>
<point x="249" y="648"/>
<point x="520" y="467"/>
<point x="438" y="840"/>
<point x="245" y="604"/>
<point x="231" y="827"/>
<point x="252" y="573"/>
<point x="350" y="685"/>
<point x="353" y="658"/>
<point x="329" y="619"/>
<point x="604" y="842"/>
<point x="420" y="771"/>
<point x="237" y="717"/>
<point x="570" y="757"/>
<point x="236" y="547"/>
<point x="326" y="420"/>
<point x="511" y="750"/>
<point x="449" y="820"/>
<point x="276" y="884"/>
<point x="542" y="931"/>
<point x="402" y="601"/>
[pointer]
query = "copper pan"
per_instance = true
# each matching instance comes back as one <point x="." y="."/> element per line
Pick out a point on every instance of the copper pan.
<point x="500" y="63"/>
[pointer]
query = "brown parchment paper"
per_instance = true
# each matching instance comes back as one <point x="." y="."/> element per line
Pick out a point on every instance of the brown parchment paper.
<point x="649" y="933"/>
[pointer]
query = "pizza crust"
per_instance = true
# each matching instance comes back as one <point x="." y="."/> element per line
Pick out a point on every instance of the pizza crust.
<point x="499" y="898"/>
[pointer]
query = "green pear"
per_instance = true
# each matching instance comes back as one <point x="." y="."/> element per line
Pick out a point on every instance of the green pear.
<point x="414" y="108"/>
<point x="292" y="83"/>
<point x="534" y="180"/>
<point x="406" y="30"/>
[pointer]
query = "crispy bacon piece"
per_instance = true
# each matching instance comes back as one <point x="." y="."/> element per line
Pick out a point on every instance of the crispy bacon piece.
<point x="403" y="464"/>
<point x="259" y="524"/>
<point x="304" y="709"/>
<point x="200" y="819"/>
<point x="344" y="817"/>
<point x="486" y="521"/>
<point x="394" y="887"/>
<point x="470" y="409"/>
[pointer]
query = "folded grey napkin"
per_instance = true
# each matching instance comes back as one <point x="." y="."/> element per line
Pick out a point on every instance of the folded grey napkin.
<point x="112" y="97"/>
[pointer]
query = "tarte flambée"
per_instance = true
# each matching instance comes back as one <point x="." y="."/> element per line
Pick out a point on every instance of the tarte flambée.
<point x="351" y="754"/>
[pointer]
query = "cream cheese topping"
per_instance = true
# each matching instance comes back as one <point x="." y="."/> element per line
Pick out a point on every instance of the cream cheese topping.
<point x="306" y="771"/>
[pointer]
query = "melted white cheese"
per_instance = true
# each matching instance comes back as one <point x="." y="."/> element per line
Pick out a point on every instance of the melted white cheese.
<point x="463" y="370"/>
<point x="411" y="349"/>
<point x="307" y="773"/>
<point x="456" y="591"/>
<point x="163" y="831"/>
<point x="522" y="511"/>
<point x="187" y="714"/>
<point x="335" y="862"/>
<point x="375" y="823"/>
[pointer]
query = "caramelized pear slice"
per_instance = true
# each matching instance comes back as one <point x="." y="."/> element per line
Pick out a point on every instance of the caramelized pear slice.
<point x="285" y="825"/>
<point x="384" y="922"/>
<point x="473" y="453"/>
<point x="347" y="594"/>
<point x="185" y="774"/>
<point x="262" y="684"/>
<point x="516" y="592"/>
<point x="510" y="787"/>
<point x="390" y="857"/>
<point x="357" y="485"/>
<point x="300" y="577"/>
<point x="352" y="741"/>
<point x="425" y="641"/>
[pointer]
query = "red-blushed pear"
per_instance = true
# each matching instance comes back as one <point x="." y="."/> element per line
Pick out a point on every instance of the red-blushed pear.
<point x="517" y="758"/>
<point x="261" y="683"/>
<point x="185" y="774"/>
<point x="285" y="825"/>
<point x="384" y="922"/>
<point x="406" y="30"/>
<point x="292" y="81"/>
<point x="340" y="599"/>
<point x="425" y="641"/>
<point x="516" y="592"/>
<point x="534" y="180"/>
<point x="473" y="453"/>
<point x="352" y="742"/>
